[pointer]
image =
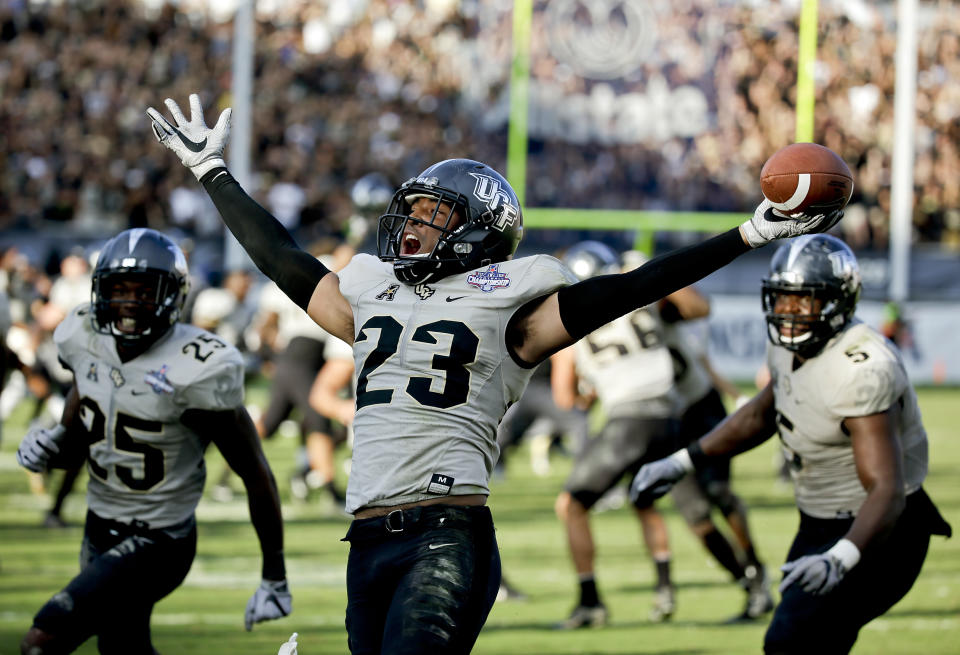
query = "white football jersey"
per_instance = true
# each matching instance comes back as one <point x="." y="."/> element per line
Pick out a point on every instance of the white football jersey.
<point x="433" y="375"/>
<point x="292" y="321"/>
<point x="858" y="373"/>
<point x="628" y="364"/>
<point x="687" y="341"/>
<point x="143" y="463"/>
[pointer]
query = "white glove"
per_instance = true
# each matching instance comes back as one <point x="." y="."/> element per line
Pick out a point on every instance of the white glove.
<point x="38" y="446"/>
<point x="657" y="478"/>
<point x="289" y="647"/>
<point x="198" y="147"/>
<point x="271" y="600"/>
<point x="820" y="574"/>
<point x="767" y="225"/>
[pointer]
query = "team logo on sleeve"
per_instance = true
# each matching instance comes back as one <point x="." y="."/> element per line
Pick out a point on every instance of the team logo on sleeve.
<point x="388" y="293"/>
<point x="158" y="380"/>
<point x="489" y="280"/>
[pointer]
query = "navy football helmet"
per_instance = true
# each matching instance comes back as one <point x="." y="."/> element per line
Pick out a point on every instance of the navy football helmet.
<point x="490" y="221"/>
<point x="139" y="286"/>
<point x="822" y="268"/>
<point x="591" y="258"/>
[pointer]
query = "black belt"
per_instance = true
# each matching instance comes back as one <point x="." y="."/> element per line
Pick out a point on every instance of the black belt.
<point x="135" y="526"/>
<point x="417" y="519"/>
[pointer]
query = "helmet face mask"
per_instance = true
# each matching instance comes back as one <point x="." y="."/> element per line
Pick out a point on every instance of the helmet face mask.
<point x="472" y="207"/>
<point x="139" y="286"/>
<point x="811" y="293"/>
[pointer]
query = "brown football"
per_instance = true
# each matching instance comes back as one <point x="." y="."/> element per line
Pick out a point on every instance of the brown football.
<point x="806" y="179"/>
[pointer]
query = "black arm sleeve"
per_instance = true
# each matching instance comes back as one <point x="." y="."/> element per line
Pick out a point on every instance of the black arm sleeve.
<point x="268" y="243"/>
<point x="587" y="305"/>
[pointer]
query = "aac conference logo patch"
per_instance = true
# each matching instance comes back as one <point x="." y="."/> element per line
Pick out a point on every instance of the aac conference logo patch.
<point x="489" y="280"/>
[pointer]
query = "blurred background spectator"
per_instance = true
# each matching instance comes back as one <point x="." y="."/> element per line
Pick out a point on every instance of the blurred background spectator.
<point x="678" y="113"/>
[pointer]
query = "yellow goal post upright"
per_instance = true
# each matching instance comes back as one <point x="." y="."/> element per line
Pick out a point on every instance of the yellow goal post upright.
<point x="644" y="223"/>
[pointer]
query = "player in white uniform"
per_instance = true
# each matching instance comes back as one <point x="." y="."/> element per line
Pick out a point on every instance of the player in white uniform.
<point x="445" y="329"/>
<point x="852" y="431"/>
<point x="149" y="395"/>
<point x="627" y="367"/>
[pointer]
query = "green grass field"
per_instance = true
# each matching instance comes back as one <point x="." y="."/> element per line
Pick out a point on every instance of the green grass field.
<point x="205" y="615"/>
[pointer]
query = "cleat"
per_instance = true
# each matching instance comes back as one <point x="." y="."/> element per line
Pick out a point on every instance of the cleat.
<point x="585" y="617"/>
<point x="759" y="598"/>
<point x="664" y="605"/>
<point x="54" y="521"/>
<point x="508" y="592"/>
<point x="289" y="647"/>
<point x="299" y="488"/>
<point x="221" y="493"/>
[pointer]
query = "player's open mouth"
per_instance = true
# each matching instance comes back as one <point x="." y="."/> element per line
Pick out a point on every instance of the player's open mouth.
<point x="795" y="333"/>
<point x="409" y="245"/>
<point x="126" y="324"/>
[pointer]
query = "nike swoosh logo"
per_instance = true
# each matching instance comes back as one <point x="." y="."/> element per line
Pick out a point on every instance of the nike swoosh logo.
<point x="435" y="546"/>
<point x="194" y="146"/>
<point x="449" y="299"/>
<point x="137" y="393"/>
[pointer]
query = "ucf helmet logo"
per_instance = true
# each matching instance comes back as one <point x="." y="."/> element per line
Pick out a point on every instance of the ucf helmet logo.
<point x="488" y="191"/>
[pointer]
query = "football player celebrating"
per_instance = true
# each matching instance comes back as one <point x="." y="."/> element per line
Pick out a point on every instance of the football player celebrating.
<point x="852" y="433"/>
<point x="149" y="394"/>
<point x="445" y="328"/>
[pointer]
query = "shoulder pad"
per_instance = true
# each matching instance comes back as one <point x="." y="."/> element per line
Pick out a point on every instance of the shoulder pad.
<point x="73" y="333"/>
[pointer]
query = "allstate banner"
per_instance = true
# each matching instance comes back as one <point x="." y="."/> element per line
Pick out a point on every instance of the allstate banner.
<point x="930" y="346"/>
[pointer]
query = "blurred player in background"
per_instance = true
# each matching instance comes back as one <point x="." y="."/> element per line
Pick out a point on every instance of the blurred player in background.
<point x="849" y="422"/>
<point x="149" y="395"/>
<point x="445" y="328"/>
<point x="701" y="408"/>
<point x="536" y="414"/>
<point x="332" y="393"/>
<point x="300" y="344"/>
<point x="47" y="380"/>
<point x="5" y="355"/>
<point x="627" y="366"/>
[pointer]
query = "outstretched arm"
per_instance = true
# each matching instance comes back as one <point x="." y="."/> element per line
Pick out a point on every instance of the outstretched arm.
<point x="548" y="324"/>
<point x="298" y="274"/>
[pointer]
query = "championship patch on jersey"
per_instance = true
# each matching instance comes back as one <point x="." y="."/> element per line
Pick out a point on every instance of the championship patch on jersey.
<point x="489" y="280"/>
<point x="440" y="484"/>
<point x="158" y="380"/>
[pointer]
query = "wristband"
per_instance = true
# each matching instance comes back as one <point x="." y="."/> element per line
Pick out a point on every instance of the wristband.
<point x="697" y="457"/>
<point x="682" y="457"/>
<point x="846" y="552"/>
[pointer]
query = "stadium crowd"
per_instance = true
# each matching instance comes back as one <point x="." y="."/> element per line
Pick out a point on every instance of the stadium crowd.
<point x="348" y="88"/>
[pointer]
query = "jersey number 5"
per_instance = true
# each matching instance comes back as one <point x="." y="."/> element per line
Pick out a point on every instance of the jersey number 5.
<point x="463" y="351"/>
<point x="124" y="442"/>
